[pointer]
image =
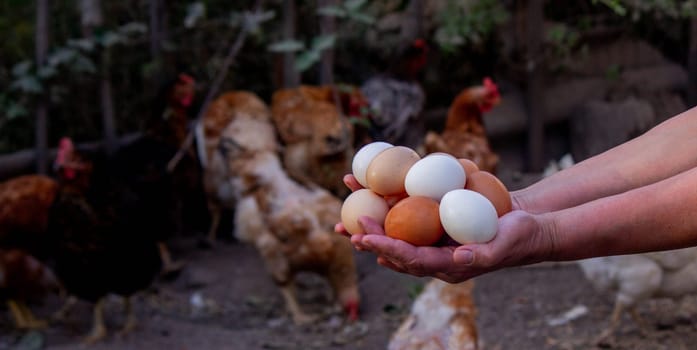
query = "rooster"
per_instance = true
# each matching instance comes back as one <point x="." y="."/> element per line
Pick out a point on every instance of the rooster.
<point x="290" y="225"/>
<point x="164" y="132"/>
<point x="317" y="137"/>
<point x="396" y="98"/>
<point x="105" y="229"/>
<point x="464" y="135"/>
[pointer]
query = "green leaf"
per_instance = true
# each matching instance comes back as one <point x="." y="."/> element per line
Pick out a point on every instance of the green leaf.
<point x="323" y="42"/>
<point x="133" y="28"/>
<point x="306" y="59"/>
<point x="28" y="84"/>
<point x="354" y="5"/>
<point x="47" y="72"/>
<point x="288" y="45"/>
<point x="84" y="64"/>
<point x="85" y="44"/>
<point x="361" y="17"/>
<point x="15" y="110"/>
<point x="22" y="68"/>
<point x="110" y="38"/>
<point x="194" y="12"/>
<point x="61" y="56"/>
<point x="332" y="11"/>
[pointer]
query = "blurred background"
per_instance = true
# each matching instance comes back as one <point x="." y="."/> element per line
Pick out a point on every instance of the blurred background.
<point x="572" y="79"/>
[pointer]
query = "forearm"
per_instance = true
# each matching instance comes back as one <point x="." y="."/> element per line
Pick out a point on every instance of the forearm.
<point x="659" y="216"/>
<point x="666" y="150"/>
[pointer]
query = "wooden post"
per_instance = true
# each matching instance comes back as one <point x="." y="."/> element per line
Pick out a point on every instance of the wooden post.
<point x="534" y="95"/>
<point x="327" y="26"/>
<point x="41" y="135"/>
<point x="291" y="77"/>
<point x="692" y="64"/>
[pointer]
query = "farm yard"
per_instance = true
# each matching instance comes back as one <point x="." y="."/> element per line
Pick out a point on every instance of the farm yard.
<point x="175" y="171"/>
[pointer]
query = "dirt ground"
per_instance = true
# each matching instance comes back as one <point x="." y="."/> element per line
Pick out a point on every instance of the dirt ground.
<point x="224" y="299"/>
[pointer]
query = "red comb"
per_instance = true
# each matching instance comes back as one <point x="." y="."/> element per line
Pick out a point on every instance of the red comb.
<point x="185" y="78"/>
<point x="419" y="43"/>
<point x="490" y="86"/>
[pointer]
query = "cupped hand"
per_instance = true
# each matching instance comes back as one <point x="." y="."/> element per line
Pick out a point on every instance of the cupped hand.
<point x="521" y="239"/>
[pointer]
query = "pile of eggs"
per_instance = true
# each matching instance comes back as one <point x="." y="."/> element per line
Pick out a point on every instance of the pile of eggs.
<point x="419" y="200"/>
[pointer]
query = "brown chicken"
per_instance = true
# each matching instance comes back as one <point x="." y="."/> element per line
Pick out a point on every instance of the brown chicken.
<point x="464" y="135"/>
<point x="22" y="279"/>
<point x="291" y="225"/>
<point x="220" y="192"/>
<point x="444" y="315"/>
<point x="23" y="221"/>
<point x="317" y="137"/>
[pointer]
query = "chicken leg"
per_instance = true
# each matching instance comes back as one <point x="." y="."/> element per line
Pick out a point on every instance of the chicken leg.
<point x="299" y="317"/>
<point x="63" y="312"/>
<point x="131" y="320"/>
<point x="169" y="266"/>
<point x="614" y="322"/>
<point x="215" y="211"/>
<point x="99" y="331"/>
<point x="24" y="318"/>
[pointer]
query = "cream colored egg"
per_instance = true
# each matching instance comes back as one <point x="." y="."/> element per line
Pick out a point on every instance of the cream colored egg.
<point x="363" y="202"/>
<point x="434" y="175"/>
<point x="386" y="173"/>
<point x="363" y="157"/>
<point x="468" y="217"/>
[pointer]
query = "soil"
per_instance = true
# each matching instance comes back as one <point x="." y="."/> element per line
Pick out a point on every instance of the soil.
<point x="238" y="307"/>
<point x="224" y="299"/>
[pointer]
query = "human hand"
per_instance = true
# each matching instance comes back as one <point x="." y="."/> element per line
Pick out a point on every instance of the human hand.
<point x="521" y="239"/>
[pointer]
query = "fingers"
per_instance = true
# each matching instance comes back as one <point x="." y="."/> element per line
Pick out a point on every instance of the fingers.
<point x="388" y="264"/>
<point x="418" y="261"/>
<point x="351" y="182"/>
<point x="341" y="229"/>
<point x="370" y="226"/>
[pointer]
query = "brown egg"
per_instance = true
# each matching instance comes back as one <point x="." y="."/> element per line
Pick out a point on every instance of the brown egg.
<point x="386" y="172"/>
<point x="469" y="166"/>
<point x="415" y="220"/>
<point x="492" y="188"/>
<point x="363" y="202"/>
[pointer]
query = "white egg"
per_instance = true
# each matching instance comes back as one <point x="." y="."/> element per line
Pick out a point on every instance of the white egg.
<point x="363" y="157"/>
<point x="468" y="217"/>
<point x="434" y="176"/>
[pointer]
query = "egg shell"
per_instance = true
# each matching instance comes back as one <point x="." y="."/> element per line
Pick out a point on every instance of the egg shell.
<point x="363" y="157"/>
<point x="492" y="188"/>
<point x="386" y="172"/>
<point x="468" y="165"/>
<point x="363" y="202"/>
<point x="415" y="220"/>
<point x="435" y="175"/>
<point x="468" y="217"/>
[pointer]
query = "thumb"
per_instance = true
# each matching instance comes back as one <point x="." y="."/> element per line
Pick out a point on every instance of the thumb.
<point x="473" y="255"/>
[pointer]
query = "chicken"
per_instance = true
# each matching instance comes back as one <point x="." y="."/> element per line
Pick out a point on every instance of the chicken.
<point x="464" y="135"/>
<point x="442" y="317"/>
<point x="396" y="98"/>
<point x="317" y="137"/>
<point x="23" y="220"/>
<point x="24" y="278"/>
<point x="164" y="132"/>
<point x="289" y="224"/>
<point x="220" y="192"/>
<point x="105" y="227"/>
<point x="639" y="277"/>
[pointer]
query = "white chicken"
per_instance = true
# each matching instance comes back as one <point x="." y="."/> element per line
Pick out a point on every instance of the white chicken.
<point x="442" y="317"/>
<point x="639" y="277"/>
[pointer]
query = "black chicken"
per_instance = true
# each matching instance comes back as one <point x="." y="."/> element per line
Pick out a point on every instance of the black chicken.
<point x="105" y="220"/>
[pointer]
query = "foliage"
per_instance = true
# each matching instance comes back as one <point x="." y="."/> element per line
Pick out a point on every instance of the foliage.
<point x="636" y="8"/>
<point x="351" y="10"/>
<point x="464" y="23"/>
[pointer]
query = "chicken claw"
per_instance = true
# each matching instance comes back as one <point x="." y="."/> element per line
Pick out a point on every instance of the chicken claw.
<point x="99" y="331"/>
